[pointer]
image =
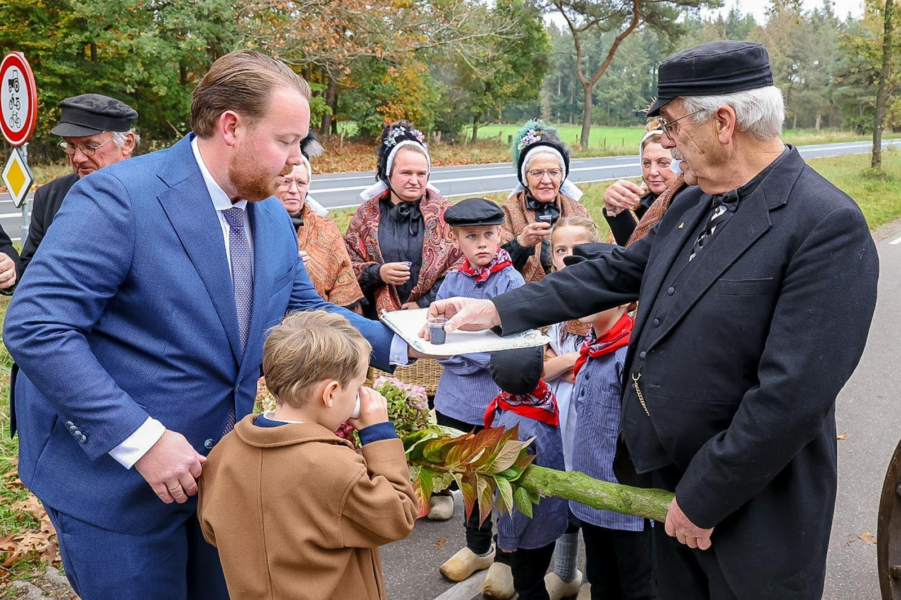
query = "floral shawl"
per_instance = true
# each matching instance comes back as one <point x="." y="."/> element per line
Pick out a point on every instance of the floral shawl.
<point x="438" y="252"/>
<point x="329" y="266"/>
<point x="656" y="211"/>
<point x="516" y="217"/>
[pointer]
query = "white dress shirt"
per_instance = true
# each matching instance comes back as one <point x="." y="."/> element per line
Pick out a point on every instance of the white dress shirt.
<point x="138" y="443"/>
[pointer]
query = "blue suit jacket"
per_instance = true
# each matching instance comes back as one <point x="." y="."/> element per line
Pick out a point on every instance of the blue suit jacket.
<point x="127" y="311"/>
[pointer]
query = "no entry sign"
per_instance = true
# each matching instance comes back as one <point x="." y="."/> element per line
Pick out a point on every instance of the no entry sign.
<point x="18" y="99"/>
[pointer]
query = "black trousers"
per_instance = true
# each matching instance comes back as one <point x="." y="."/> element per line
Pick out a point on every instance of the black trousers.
<point x="685" y="573"/>
<point x="620" y="564"/>
<point x="478" y="537"/>
<point x="529" y="567"/>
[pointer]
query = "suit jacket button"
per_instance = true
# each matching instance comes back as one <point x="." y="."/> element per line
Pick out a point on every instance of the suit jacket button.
<point x="72" y="428"/>
<point x="69" y="424"/>
<point x="671" y="291"/>
<point x="81" y="437"/>
<point x="208" y="444"/>
<point x="656" y="322"/>
<point x="642" y="355"/>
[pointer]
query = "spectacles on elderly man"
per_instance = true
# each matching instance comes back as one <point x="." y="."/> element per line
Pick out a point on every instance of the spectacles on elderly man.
<point x="86" y="149"/>
<point x="552" y="173"/>
<point x="668" y="126"/>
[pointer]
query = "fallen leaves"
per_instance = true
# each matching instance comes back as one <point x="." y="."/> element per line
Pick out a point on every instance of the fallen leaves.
<point x="26" y="543"/>
<point x="842" y="436"/>
<point x="440" y="543"/>
<point x="867" y="537"/>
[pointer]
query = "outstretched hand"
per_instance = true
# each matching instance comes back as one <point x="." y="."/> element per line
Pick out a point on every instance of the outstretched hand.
<point x="464" y="314"/>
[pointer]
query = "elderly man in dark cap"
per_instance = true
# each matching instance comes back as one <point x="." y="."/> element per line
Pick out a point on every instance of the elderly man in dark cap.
<point x="756" y="292"/>
<point x="97" y="132"/>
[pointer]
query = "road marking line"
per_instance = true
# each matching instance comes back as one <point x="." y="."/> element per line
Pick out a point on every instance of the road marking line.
<point x="895" y="242"/>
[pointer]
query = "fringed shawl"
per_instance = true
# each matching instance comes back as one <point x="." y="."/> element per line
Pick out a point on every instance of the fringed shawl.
<point x="517" y="216"/>
<point x="329" y="267"/>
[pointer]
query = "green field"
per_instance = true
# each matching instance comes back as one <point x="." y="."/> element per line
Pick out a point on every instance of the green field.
<point x="612" y="138"/>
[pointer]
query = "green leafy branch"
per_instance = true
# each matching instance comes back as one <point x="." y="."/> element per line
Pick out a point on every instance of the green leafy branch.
<point x="495" y="468"/>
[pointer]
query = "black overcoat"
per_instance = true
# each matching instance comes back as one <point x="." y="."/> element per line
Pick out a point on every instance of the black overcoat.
<point x="740" y="364"/>
<point x="47" y="201"/>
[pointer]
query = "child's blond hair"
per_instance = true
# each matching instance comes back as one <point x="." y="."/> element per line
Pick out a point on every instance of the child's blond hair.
<point x="309" y="347"/>
<point x="579" y="221"/>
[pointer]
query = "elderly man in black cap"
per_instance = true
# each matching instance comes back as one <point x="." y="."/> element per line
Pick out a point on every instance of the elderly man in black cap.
<point x="97" y="132"/>
<point x="756" y="291"/>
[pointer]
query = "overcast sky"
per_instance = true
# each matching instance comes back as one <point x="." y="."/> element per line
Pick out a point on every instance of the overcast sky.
<point x="842" y="7"/>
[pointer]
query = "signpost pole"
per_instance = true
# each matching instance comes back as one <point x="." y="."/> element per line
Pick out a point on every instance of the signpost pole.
<point x="25" y="219"/>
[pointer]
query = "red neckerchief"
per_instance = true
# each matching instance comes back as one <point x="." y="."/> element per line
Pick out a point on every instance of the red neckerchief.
<point x="615" y="338"/>
<point x="500" y="262"/>
<point x="539" y="404"/>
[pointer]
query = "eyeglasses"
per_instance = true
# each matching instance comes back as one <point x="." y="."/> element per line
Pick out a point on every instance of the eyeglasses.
<point x="86" y="149"/>
<point x="552" y="173"/>
<point x="287" y="184"/>
<point x="668" y="126"/>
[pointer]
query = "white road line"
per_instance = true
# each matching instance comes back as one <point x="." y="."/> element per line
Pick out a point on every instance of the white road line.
<point x="895" y="241"/>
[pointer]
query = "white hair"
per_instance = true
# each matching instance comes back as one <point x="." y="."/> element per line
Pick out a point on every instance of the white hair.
<point x="759" y="112"/>
<point x="120" y="138"/>
<point x="542" y="151"/>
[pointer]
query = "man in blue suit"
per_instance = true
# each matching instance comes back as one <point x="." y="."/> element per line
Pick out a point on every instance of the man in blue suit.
<point x="139" y="333"/>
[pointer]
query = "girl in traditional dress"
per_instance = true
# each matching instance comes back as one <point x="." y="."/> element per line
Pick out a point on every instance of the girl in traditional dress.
<point x="398" y="242"/>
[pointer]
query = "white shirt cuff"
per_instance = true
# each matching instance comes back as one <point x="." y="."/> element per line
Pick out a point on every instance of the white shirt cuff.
<point x="399" y="350"/>
<point x="137" y="444"/>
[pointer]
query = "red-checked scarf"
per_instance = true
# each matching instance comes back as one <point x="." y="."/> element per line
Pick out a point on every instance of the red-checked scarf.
<point x="500" y="262"/>
<point x="615" y="338"/>
<point x="539" y="404"/>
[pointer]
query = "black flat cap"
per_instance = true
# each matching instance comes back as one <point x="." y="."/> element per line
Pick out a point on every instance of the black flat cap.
<point x="711" y="69"/>
<point x="588" y="251"/>
<point x="474" y="212"/>
<point x="92" y="113"/>
<point x="517" y="371"/>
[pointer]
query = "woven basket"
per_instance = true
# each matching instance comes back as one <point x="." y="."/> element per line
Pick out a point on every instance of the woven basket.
<point x="426" y="372"/>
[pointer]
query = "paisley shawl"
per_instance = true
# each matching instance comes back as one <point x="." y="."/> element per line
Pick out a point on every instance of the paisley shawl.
<point x="516" y="217"/>
<point x="329" y="267"/>
<point x="438" y="252"/>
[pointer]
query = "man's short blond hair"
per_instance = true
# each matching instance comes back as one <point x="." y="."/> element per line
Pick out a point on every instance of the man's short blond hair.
<point x="241" y="81"/>
<point x="307" y="348"/>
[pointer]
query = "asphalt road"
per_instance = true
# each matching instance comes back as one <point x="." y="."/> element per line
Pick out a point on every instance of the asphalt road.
<point x="867" y="414"/>
<point x="342" y="190"/>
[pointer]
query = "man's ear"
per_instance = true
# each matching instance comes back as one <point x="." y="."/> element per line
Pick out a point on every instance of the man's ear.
<point x="129" y="146"/>
<point x="724" y="119"/>
<point x="229" y="124"/>
<point x="328" y="393"/>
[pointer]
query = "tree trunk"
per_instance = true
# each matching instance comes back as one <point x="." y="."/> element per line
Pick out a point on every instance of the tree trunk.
<point x="331" y="98"/>
<point x="572" y="485"/>
<point x="819" y="124"/>
<point x="476" y="117"/>
<point x="586" y="117"/>
<point x="882" y="90"/>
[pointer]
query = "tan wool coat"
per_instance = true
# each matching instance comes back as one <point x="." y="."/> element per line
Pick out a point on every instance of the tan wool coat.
<point x="298" y="515"/>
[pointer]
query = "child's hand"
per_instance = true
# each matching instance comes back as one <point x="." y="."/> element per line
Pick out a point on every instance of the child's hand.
<point x="568" y="376"/>
<point x="373" y="409"/>
<point x="571" y="358"/>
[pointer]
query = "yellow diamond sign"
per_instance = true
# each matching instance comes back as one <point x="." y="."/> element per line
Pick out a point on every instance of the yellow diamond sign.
<point x="17" y="177"/>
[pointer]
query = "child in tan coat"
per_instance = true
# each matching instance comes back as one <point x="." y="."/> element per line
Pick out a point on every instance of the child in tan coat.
<point x="294" y="511"/>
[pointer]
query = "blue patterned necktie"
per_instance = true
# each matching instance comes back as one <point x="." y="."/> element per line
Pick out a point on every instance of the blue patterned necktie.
<point x="723" y="206"/>
<point x="242" y="280"/>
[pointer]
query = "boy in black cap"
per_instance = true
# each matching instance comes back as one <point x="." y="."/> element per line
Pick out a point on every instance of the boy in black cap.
<point x="527" y="401"/>
<point x="97" y="132"/>
<point x="466" y="387"/>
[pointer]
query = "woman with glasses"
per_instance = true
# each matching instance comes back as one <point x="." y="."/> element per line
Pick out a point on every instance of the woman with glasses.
<point x="544" y="194"/>
<point x="626" y="203"/>
<point x="398" y="242"/>
<point x="319" y="240"/>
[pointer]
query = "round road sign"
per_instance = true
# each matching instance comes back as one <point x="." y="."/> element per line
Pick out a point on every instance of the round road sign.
<point x="18" y="99"/>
